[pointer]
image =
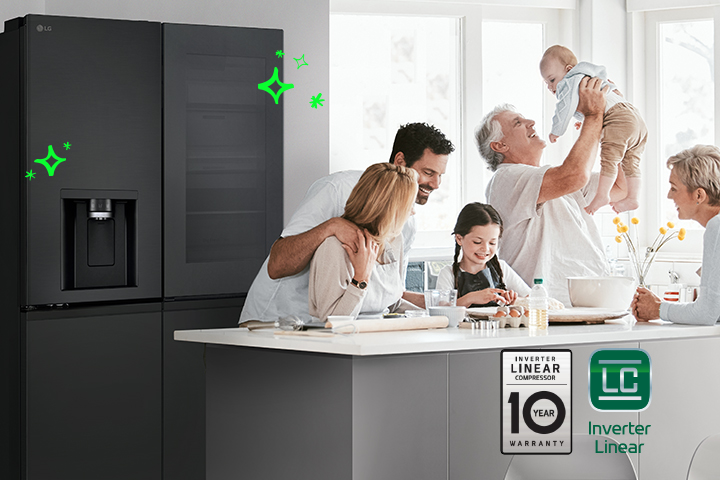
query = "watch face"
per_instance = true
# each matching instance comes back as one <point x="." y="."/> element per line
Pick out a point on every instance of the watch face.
<point x="362" y="284"/>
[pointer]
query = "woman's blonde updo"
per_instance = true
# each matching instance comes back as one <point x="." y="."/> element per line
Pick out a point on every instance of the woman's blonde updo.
<point x="382" y="200"/>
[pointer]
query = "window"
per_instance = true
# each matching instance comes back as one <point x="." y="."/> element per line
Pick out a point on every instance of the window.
<point x="387" y="71"/>
<point x="443" y="63"/>
<point x="680" y="71"/>
<point x="517" y="81"/>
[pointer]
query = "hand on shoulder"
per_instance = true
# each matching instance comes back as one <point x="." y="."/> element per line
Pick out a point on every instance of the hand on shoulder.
<point x="347" y="232"/>
<point x="363" y="261"/>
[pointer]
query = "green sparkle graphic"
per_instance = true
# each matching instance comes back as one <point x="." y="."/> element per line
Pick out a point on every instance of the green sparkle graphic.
<point x="304" y="63"/>
<point x="317" y="100"/>
<point x="67" y="145"/>
<point x="279" y="53"/>
<point x="265" y="86"/>
<point x="44" y="161"/>
<point x="30" y="175"/>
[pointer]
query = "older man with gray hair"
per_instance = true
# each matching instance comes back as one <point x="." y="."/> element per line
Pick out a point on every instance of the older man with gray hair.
<point x="547" y="233"/>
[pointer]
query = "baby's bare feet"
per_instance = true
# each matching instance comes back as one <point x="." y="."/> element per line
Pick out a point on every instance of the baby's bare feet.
<point x="596" y="203"/>
<point x="625" y="205"/>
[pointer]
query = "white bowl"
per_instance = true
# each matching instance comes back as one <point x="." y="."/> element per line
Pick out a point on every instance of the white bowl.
<point x="613" y="293"/>
<point x="455" y="315"/>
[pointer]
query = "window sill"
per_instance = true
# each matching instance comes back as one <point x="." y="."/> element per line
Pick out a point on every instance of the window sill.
<point x="431" y="254"/>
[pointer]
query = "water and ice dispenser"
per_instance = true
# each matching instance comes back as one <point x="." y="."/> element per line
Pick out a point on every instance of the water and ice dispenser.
<point x="100" y="241"/>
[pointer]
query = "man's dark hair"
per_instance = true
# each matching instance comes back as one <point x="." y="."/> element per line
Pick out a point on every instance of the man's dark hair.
<point x="413" y="138"/>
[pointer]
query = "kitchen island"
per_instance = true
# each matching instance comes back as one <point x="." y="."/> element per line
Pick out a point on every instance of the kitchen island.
<point x="426" y="404"/>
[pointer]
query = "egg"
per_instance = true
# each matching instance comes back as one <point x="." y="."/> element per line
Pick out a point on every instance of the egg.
<point x="514" y="313"/>
<point x="499" y="314"/>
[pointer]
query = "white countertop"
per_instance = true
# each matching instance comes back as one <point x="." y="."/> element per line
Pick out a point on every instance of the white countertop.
<point x="447" y="340"/>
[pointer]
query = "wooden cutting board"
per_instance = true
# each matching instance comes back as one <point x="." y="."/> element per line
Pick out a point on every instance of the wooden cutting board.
<point x="584" y="315"/>
<point x="566" y="315"/>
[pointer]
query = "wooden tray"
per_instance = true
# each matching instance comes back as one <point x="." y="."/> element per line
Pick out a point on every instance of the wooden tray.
<point x="566" y="315"/>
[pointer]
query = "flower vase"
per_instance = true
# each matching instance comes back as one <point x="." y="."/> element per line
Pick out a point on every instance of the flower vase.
<point x="637" y="271"/>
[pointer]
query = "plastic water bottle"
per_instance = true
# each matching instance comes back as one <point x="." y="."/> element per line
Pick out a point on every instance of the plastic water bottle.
<point x="538" y="306"/>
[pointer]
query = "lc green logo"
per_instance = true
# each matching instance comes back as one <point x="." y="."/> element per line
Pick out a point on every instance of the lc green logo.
<point x="620" y="380"/>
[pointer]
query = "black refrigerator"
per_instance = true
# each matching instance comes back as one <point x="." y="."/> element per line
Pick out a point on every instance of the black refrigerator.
<point x="141" y="191"/>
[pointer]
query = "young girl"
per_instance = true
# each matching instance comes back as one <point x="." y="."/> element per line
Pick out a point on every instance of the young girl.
<point x="481" y="279"/>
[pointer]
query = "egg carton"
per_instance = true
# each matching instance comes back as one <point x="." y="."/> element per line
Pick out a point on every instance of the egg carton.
<point x="505" y="318"/>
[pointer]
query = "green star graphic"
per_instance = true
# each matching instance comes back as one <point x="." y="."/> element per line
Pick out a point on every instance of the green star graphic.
<point x="67" y="145"/>
<point x="304" y="63"/>
<point x="274" y="79"/>
<point x="317" y="100"/>
<point x="279" y="53"/>
<point x="30" y="175"/>
<point x="44" y="161"/>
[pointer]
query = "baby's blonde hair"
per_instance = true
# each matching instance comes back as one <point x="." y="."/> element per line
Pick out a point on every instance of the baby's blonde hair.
<point x="563" y="54"/>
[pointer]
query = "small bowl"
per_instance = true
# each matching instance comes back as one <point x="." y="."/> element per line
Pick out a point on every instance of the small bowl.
<point x="612" y="293"/>
<point x="455" y="315"/>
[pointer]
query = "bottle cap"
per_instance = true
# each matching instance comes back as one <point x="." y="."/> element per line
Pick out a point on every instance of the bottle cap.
<point x="538" y="281"/>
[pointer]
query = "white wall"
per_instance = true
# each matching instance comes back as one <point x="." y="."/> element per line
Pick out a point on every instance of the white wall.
<point x="306" y="27"/>
<point x="19" y="8"/>
<point x="603" y="37"/>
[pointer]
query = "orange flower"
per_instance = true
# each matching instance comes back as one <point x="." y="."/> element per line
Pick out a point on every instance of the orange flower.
<point x="635" y="220"/>
<point x="624" y="228"/>
<point x="618" y="239"/>
<point x="663" y="230"/>
<point x="616" y="220"/>
<point x="682" y="232"/>
<point x="671" y="225"/>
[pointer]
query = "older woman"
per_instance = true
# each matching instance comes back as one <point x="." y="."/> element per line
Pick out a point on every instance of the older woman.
<point x="345" y="282"/>
<point x="695" y="189"/>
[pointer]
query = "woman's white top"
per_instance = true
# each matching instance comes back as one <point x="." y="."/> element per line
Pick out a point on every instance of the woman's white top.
<point x="706" y="309"/>
<point x="513" y="281"/>
<point x="331" y="291"/>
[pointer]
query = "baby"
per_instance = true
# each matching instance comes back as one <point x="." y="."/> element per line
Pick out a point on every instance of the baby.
<point x="624" y="133"/>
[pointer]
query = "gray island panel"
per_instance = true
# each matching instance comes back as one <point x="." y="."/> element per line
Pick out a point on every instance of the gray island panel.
<point x="351" y="407"/>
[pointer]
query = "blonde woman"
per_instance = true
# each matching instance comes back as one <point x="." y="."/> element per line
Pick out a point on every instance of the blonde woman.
<point x="695" y="189"/>
<point x="345" y="282"/>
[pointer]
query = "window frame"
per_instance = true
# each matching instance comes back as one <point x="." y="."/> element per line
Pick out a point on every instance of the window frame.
<point x="648" y="34"/>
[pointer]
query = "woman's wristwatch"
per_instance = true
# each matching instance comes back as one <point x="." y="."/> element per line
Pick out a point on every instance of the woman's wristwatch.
<point x="360" y="285"/>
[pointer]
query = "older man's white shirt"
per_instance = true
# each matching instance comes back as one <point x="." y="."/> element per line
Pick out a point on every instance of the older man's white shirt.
<point x="553" y="240"/>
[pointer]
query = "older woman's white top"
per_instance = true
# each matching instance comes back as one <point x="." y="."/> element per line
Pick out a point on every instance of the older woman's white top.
<point x="706" y="309"/>
<point x="331" y="291"/>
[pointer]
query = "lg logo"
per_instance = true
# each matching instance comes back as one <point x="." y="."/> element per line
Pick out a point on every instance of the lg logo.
<point x="47" y="28"/>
